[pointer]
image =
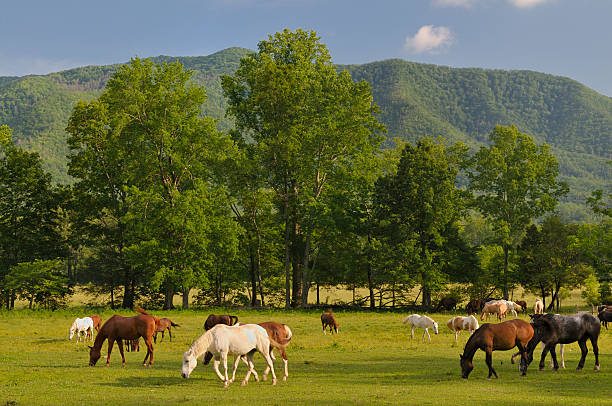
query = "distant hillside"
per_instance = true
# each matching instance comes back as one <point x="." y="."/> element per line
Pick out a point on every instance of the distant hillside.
<point x="416" y="100"/>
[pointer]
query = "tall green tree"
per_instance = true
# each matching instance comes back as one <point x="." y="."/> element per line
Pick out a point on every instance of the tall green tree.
<point x="147" y="157"/>
<point x="29" y="202"/>
<point x="423" y="205"/>
<point x="514" y="181"/>
<point x="307" y="120"/>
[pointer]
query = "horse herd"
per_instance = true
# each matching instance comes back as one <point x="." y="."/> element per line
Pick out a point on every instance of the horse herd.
<point x="225" y="336"/>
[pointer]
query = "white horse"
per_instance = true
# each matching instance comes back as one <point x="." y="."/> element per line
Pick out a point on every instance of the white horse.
<point x="221" y="341"/>
<point x="424" y="322"/>
<point x="84" y="325"/>
<point x="456" y="324"/>
<point x="538" y="307"/>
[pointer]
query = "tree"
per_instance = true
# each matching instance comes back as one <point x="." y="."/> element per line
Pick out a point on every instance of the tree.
<point x="514" y="181"/>
<point x="598" y="203"/>
<point x="29" y="223"/>
<point x="423" y="205"/>
<point x="40" y="282"/>
<point x="148" y="159"/>
<point x="307" y="121"/>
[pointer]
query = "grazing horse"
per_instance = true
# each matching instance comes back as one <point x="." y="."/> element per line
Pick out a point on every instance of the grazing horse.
<point x="446" y="303"/>
<point x="424" y="322"/>
<point x="224" y="340"/>
<point x="164" y="324"/>
<point x="214" y="319"/>
<point x="553" y="329"/>
<point x="604" y="317"/>
<point x="538" y="307"/>
<point x="513" y="307"/>
<point x="456" y="324"/>
<point x="119" y="328"/>
<point x="523" y="304"/>
<point x="606" y="308"/>
<point x="97" y="321"/>
<point x="494" y="307"/>
<point x="474" y="306"/>
<point x="493" y="337"/>
<point x="280" y="334"/>
<point x="84" y="325"/>
<point x="328" y="319"/>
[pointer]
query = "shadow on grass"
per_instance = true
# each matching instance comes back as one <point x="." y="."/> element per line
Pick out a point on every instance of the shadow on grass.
<point x="152" y="381"/>
<point x="50" y="340"/>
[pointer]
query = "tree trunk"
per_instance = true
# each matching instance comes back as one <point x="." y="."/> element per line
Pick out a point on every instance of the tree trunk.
<point x="168" y="297"/>
<point x="318" y="302"/>
<point x="186" y="298"/>
<point x="287" y="256"/>
<point x="128" y="291"/>
<point x="296" y="295"/>
<point x="426" y="297"/>
<point x="505" y="275"/>
<point x="253" y="280"/>
<point x="112" y="292"/>
<point x="371" y="287"/>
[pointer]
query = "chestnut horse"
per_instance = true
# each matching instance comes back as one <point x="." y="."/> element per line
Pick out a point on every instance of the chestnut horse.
<point x="214" y="319"/>
<point x="119" y="328"/>
<point x="164" y="324"/>
<point x="327" y="319"/>
<point x="493" y="337"/>
<point x="97" y="321"/>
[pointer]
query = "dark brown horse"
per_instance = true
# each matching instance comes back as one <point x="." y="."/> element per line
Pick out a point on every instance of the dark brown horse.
<point x="474" y="306"/>
<point x="523" y="304"/>
<point x="604" y="318"/>
<point x="280" y="336"/>
<point x="494" y="337"/>
<point x="164" y="324"/>
<point x="328" y="319"/>
<point x="214" y="319"/>
<point x="446" y="303"/>
<point x="119" y="328"/>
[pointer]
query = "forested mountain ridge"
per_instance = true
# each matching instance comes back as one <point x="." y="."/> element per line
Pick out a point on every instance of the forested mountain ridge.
<point x="415" y="99"/>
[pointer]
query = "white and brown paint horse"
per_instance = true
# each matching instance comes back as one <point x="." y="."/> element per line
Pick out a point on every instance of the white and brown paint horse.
<point x="84" y="325"/>
<point x="424" y="322"/>
<point x="456" y="324"/>
<point x="222" y="341"/>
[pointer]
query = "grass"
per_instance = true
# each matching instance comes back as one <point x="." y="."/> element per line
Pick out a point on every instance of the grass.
<point x="372" y="360"/>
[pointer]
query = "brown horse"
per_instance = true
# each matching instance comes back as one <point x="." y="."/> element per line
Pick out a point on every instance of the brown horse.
<point x="446" y="303"/>
<point x="119" y="328"/>
<point x="474" y="306"/>
<point x="493" y="337"/>
<point x="164" y="324"/>
<point x="214" y="319"/>
<point x="523" y="305"/>
<point x="280" y="336"/>
<point x="327" y="319"/>
<point x="97" y="321"/>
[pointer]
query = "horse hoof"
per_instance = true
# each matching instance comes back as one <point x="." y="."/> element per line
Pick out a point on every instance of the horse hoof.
<point x="541" y="369"/>
<point x="578" y="368"/>
<point x="284" y="378"/>
<point x="225" y="384"/>
<point x="597" y="368"/>
<point x="244" y="383"/>
<point x="273" y="382"/>
<point x="264" y="378"/>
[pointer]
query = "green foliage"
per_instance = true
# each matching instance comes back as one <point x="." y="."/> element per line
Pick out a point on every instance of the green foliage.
<point x="591" y="292"/>
<point x="40" y="282"/>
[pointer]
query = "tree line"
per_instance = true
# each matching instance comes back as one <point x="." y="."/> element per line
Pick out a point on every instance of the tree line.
<point x="298" y="194"/>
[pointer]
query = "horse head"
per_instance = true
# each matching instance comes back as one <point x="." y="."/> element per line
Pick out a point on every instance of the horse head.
<point x="435" y="327"/>
<point x="466" y="366"/>
<point x="94" y="356"/>
<point x="189" y="363"/>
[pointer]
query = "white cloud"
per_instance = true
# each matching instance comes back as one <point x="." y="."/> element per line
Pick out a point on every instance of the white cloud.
<point x="453" y="3"/>
<point x="428" y="39"/>
<point x="526" y="3"/>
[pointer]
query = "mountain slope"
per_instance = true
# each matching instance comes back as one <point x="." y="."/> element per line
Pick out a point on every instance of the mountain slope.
<point x="416" y="100"/>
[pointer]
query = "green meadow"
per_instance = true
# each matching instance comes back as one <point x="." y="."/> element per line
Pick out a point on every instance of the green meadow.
<point x="372" y="361"/>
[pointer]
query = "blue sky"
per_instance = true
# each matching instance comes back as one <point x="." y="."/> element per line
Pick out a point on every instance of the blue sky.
<point x="564" y="37"/>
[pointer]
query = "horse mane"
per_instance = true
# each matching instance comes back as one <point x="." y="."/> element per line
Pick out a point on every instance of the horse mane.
<point x="201" y="345"/>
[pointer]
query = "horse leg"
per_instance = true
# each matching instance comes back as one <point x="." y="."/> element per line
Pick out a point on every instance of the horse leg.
<point x="251" y="368"/>
<point x="155" y="337"/>
<point x="162" y="340"/>
<point x="584" y="350"/>
<point x="553" y="357"/>
<point x="489" y="361"/>
<point x="456" y="335"/>
<point x="120" y="345"/>
<point x="236" y="361"/>
<point x="169" y="333"/>
<point x="149" y="342"/>
<point x="428" y="336"/>
<point x="216" y="363"/>
<point x="595" y="351"/>
<point x="562" y="351"/>
<point x="324" y="332"/>
<point x="111" y="341"/>
<point x="411" y="332"/>
<point x="285" y="361"/>
<point x="270" y="365"/>
<point x="512" y="358"/>
<point x="224" y="359"/>
<point x="543" y="356"/>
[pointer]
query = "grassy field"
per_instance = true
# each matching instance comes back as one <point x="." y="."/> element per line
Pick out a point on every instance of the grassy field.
<point x="372" y="360"/>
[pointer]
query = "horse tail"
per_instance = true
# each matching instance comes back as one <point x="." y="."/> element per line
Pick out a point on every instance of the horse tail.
<point x="233" y="320"/>
<point x="288" y="332"/>
<point x="276" y="344"/>
<point x="173" y="324"/>
<point x="140" y="310"/>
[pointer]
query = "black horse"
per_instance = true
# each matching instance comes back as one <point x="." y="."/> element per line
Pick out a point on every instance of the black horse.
<point x="553" y="329"/>
<point x="605" y="317"/>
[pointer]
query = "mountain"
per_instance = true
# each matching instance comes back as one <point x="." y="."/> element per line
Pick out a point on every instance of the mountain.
<point x="416" y="100"/>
